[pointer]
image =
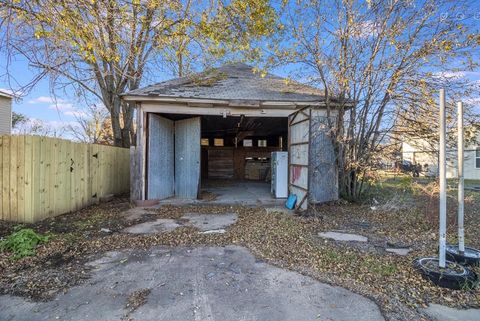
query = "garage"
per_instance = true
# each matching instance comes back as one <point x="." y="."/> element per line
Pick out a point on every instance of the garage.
<point x="222" y="127"/>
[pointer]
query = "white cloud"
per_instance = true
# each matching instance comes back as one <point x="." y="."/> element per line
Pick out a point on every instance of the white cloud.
<point x="449" y="75"/>
<point x="46" y="100"/>
<point x="63" y="107"/>
<point x="75" y="113"/>
<point x="365" y="29"/>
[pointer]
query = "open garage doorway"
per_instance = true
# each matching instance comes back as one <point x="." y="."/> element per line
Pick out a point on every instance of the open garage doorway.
<point x="236" y="156"/>
<point x="213" y="158"/>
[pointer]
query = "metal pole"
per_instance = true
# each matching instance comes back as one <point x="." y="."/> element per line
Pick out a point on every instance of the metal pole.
<point x="461" y="231"/>
<point x="443" y="182"/>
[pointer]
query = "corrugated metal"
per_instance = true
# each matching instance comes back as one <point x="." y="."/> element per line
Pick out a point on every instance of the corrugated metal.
<point x="322" y="163"/>
<point x="299" y="128"/>
<point x="187" y="157"/>
<point x="160" y="157"/>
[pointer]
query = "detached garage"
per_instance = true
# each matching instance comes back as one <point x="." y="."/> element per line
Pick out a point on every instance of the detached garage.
<point x="222" y="125"/>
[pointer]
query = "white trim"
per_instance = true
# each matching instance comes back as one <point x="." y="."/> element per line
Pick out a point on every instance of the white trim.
<point x="6" y="95"/>
<point x="153" y="107"/>
<point x="245" y="103"/>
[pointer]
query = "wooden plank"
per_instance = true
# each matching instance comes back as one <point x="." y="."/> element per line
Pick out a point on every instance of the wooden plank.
<point x="75" y="174"/>
<point x="21" y="179"/>
<point x="37" y="181"/>
<point x="36" y="178"/>
<point x="94" y="158"/>
<point x="68" y="177"/>
<point x="28" y="180"/>
<point x="89" y="163"/>
<point x="221" y="163"/>
<point x="2" y="183"/>
<point x="1" y="178"/>
<point x="13" y="179"/>
<point x="51" y="178"/>
<point x="43" y="179"/>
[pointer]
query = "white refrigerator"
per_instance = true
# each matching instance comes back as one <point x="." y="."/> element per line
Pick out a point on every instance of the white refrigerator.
<point x="279" y="174"/>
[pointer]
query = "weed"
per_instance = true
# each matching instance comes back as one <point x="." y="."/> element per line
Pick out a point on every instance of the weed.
<point x="22" y="242"/>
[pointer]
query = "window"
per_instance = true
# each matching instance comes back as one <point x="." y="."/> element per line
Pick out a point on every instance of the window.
<point x="247" y="143"/>
<point x="262" y="143"/>
<point x="218" y="142"/>
<point x="477" y="157"/>
<point x="205" y="142"/>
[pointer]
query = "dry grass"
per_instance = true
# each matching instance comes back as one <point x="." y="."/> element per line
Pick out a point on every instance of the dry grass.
<point x="284" y="240"/>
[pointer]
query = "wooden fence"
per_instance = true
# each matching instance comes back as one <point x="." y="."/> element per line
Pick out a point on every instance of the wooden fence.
<point x="42" y="177"/>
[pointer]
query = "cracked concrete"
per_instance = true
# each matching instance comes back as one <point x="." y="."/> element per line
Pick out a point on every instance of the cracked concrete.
<point x="195" y="283"/>
<point x="160" y="225"/>
<point x="208" y="222"/>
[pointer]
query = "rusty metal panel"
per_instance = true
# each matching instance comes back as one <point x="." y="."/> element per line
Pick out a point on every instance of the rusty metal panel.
<point x="323" y="186"/>
<point x="160" y="162"/>
<point x="298" y="148"/>
<point x="299" y="154"/>
<point x="187" y="157"/>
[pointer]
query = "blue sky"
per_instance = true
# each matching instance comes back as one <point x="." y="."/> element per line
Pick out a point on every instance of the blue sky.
<point x="61" y="109"/>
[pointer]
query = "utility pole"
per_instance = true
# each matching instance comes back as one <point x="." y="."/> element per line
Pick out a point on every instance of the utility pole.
<point x="461" y="231"/>
<point x="443" y="182"/>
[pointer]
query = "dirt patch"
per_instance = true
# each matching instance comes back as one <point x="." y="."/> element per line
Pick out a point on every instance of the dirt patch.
<point x="135" y="300"/>
<point x="287" y="241"/>
<point x="208" y="196"/>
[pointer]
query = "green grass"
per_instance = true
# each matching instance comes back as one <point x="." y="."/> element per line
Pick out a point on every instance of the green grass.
<point x="22" y="242"/>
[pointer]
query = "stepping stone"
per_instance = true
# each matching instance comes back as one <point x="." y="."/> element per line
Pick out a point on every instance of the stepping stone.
<point x="161" y="225"/>
<point x="399" y="251"/>
<point x="209" y="222"/>
<point x="279" y="210"/>
<point x="346" y="237"/>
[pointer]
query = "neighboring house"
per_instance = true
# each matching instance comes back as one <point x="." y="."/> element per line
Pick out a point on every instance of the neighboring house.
<point x="421" y="152"/>
<point x="5" y="113"/>
<point x="224" y="124"/>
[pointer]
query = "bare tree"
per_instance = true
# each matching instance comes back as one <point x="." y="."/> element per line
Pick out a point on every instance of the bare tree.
<point x="93" y="125"/>
<point x="372" y="59"/>
<point x="106" y="47"/>
<point x="33" y="126"/>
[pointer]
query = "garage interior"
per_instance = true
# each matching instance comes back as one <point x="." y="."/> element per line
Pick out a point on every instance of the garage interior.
<point x="236" y="153"/>
<point x="239" y="148"/>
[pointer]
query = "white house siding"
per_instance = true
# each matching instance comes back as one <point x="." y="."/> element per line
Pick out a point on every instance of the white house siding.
<point x="420" y="152"/>
<point x="5" y="115"/>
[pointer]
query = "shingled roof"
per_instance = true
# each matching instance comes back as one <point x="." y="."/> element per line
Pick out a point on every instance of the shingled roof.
<point x="231" y="82"/>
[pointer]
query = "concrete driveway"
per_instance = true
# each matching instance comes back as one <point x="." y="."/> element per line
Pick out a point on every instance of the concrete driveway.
<point x="198" y="283"/>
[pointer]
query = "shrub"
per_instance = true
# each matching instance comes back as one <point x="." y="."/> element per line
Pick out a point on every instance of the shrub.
<point x="22" y="242"/>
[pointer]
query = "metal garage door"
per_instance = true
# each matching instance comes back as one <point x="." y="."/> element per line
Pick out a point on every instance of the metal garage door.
<point x="187" y="157"/>
<point x="160" y="176"/>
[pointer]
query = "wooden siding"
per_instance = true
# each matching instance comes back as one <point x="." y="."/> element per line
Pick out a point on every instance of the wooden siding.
<point x="43" y="177"/>
<point x="220" y="163"/>
<point x="5" y="115"/>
